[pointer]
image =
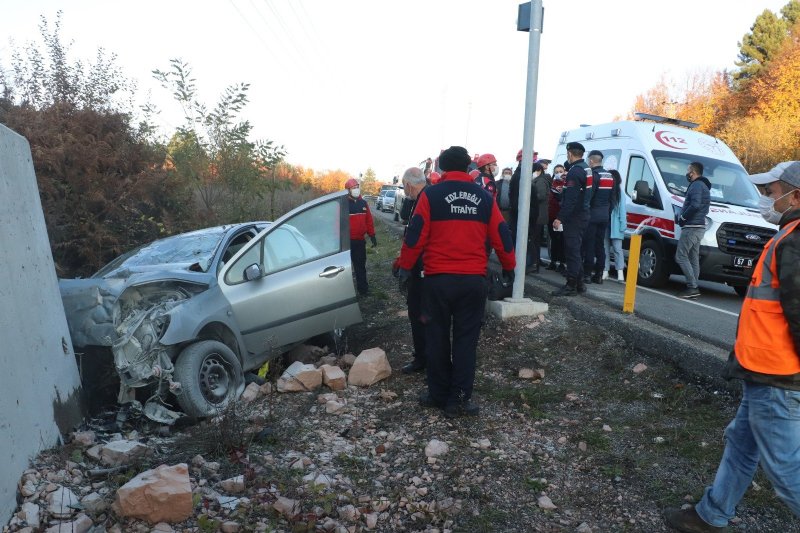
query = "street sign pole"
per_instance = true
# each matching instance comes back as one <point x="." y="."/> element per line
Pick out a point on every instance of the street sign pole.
<point x="535" y="34"/>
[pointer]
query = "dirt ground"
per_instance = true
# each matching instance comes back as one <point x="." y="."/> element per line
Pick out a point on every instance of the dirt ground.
<point x="609" y="447"/>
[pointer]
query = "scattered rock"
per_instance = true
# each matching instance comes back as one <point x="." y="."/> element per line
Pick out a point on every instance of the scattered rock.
<point x="546" y="503"/>
<point x="300" y="377"/>
<point x="484" y="444"/>
<point x="435" y="448"/>
<point x="30" y="513"/>
<point x="94" y="503"/>
<point x="265" y="389"/>
<point x="84" y="438"/>
<point x="333" y="377"/>
<point x="234" y="485"/>
<point x="529" y="373"/>
<point x="388" y="395"/>
<point x="347" y="360"/>
<point x="94" y="451"/>
<point x="162" y="527"/>
<point x="639" y="368"/>
<point x="81" y="524"/>
<point x="371" y="519"/>
<point x="163" y="494"/>
<point x="329" y="359"/>
<point x="572" y="397"/>
<point x="60" y="501"/>
<point x="120" y="452"/>
<point x="582" y="446"/>
<point x="370" y="366"/>
<point x="285" y="506"/>
<point x="606" y="428"/>
<point x="333" y="407"/>
<point x="230" y="527"/>
<point x="251" y="393"/>
<point x="583" y="528"/>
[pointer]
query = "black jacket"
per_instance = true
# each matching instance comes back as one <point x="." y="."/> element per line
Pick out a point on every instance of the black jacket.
<point x="696" y="204"/>
<point x="787" y="263"/>
<point x="575" y="197"/>
<point x="600" y="204"/>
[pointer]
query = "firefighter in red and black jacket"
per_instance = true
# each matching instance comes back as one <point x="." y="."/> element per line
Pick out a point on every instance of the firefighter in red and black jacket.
<point x="487" y="166"/>
<point x="360" y="224"/>
<point x="455" y="223"/>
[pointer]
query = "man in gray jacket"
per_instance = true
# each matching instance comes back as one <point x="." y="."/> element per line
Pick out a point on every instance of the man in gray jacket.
<point x="692" y="220"/>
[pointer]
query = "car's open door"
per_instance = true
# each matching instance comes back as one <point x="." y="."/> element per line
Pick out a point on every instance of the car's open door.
<point x="294" y="280"/>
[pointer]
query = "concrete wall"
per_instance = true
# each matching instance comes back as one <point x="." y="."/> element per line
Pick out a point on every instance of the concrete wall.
<point x="39" y="383"/>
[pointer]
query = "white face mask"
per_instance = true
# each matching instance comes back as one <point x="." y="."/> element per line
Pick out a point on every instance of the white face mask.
<point x="766" y="206"/>
<point x="355" y="192"/>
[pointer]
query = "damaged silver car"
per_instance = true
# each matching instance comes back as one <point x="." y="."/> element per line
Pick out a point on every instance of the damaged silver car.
<point x="184" y="317"/>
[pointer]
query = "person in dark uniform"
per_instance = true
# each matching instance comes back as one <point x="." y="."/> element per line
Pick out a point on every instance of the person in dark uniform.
<point x="414" y="183"/>
<point x="360" y="224"/>
<point x="453" y="225"/>
<point x="594" y="252"/>
<point x="574" y="216"/>
<point x="487" y="166"/>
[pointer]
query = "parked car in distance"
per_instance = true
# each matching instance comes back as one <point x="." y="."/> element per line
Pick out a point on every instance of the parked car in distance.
<point x="184" y="317"/>
<point x="386" y="200"/>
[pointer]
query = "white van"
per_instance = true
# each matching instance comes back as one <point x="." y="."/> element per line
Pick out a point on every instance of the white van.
<point x="651" y="154"/>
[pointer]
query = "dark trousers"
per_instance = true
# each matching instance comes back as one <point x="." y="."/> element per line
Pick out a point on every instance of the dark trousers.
<point x="417" y="316"/>
<point x="513" y="215"/>
<point x="574" y="229"/>
<point x="358" y="256"/>
<point x="594" y="251"/>
<point x="556" y="244"/>
<point x="534" y="244"/>
<point x="454" y="302"/>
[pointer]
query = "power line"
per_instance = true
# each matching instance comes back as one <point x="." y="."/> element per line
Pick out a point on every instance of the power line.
<point x="258" y="35"/>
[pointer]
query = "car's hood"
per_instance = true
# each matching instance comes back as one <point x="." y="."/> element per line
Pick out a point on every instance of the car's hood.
<point x="90" y="304"/>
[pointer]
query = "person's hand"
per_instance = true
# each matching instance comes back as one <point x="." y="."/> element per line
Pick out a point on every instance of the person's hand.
<point x="557" y="225"/>
<point x="396" y="268"/>
<point x="508" y="276"/>
<point x="403" y="276"/>
<point x="373" y="240"/>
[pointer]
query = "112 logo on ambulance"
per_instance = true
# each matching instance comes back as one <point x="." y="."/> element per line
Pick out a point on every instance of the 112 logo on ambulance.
<point x="669" y="139"/>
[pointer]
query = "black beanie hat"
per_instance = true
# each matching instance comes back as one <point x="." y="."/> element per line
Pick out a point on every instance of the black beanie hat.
<point x="455" y="158"/>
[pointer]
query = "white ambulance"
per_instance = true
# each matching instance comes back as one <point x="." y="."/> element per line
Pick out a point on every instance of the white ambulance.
<point x="651" y="154"/>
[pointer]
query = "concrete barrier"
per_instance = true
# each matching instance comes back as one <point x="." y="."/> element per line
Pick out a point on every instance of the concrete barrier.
<point x="38" y="374"/>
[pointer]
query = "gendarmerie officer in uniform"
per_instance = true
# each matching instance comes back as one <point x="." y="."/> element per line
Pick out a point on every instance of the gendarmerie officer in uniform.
<point x="454" y="225"/>
<point x="574" y="215"/>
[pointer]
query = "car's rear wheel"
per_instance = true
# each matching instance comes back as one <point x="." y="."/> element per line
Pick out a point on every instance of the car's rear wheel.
<point x="210" y="376"/>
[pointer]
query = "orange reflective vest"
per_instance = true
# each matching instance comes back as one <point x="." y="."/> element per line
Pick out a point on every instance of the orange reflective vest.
<point x="764" y="343"/>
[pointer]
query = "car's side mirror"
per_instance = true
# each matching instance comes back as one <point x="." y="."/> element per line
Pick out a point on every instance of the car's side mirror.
<point x="252" y="272"/>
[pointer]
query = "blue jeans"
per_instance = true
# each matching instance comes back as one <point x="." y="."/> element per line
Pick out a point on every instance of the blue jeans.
<point x="767" y="430"/>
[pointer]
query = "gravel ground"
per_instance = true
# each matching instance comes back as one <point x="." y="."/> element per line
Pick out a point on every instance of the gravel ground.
<point x="604" y="441"/>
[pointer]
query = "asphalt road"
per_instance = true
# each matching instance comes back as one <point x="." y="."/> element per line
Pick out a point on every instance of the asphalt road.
<point x="711" y="318"/>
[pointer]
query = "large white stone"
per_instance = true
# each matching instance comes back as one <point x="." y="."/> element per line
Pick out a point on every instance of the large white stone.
<point x="120" y="452"/>
<point x="333" y="377"/>
<point x="435" y="448"/>
<point x="30" y="513"/>
<point x="163" y="494"/>
<point x="233" y="485"/>
<point x="370" y="367"/>
<point x="510" y="308"/>
<point x="60" y="502"/>
<point x="81" y="524"/>
<point x="300" y="378"/>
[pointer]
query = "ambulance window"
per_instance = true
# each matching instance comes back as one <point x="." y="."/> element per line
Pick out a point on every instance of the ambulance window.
<point x="640" y="183"/>
<point x="611" y="159"/>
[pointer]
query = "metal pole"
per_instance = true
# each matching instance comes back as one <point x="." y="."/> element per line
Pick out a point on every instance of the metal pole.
<point x="527" y="148"/>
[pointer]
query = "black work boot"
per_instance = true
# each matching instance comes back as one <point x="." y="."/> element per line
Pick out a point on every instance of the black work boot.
<point x="688" y="521"/>
<point x="597" y="278"/>
<point x="580" y="286"/>
<point x="567" y="290"/>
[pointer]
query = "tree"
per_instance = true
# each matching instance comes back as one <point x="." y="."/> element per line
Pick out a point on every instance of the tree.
<point x="791" y="13"/>
<point x="369" y="183"/>
<point x="759" y="46"/>
<point x="231" y="174"/>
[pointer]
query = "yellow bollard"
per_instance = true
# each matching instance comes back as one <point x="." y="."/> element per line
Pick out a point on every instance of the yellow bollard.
<point x="633" y="273"/>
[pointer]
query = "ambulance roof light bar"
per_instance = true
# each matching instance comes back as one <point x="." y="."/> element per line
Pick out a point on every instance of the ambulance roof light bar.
<point x="665" y="120"/>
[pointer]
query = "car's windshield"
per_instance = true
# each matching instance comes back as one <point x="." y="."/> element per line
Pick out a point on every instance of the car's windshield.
<point x="729" y="182"/>
<point x="193" y="247"/>
<point x="390" y="194"/>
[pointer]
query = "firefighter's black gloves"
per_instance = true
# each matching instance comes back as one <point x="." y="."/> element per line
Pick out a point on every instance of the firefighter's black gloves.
<point x="373" y="240"/>
<point x="403" y="276"/>
<point x="508" y="276"/>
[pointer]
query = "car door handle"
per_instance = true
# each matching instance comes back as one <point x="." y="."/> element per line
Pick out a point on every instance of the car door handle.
<point x="331" y="271"/>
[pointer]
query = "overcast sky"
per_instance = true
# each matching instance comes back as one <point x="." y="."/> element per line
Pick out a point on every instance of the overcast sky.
<point x="357" y="83"/>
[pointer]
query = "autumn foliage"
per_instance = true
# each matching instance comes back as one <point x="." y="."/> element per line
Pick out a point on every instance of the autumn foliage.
<point x="757" y="114"/>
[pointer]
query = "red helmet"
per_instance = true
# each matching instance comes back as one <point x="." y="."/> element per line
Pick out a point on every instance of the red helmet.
<point x="349" y="184"/>
<point x="435" y="177"/>
<point x="519" y="155"/>
<point x="486" y="159"/>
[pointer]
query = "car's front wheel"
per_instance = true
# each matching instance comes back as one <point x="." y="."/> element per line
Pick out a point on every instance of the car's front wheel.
<point x="210" y="376"/>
